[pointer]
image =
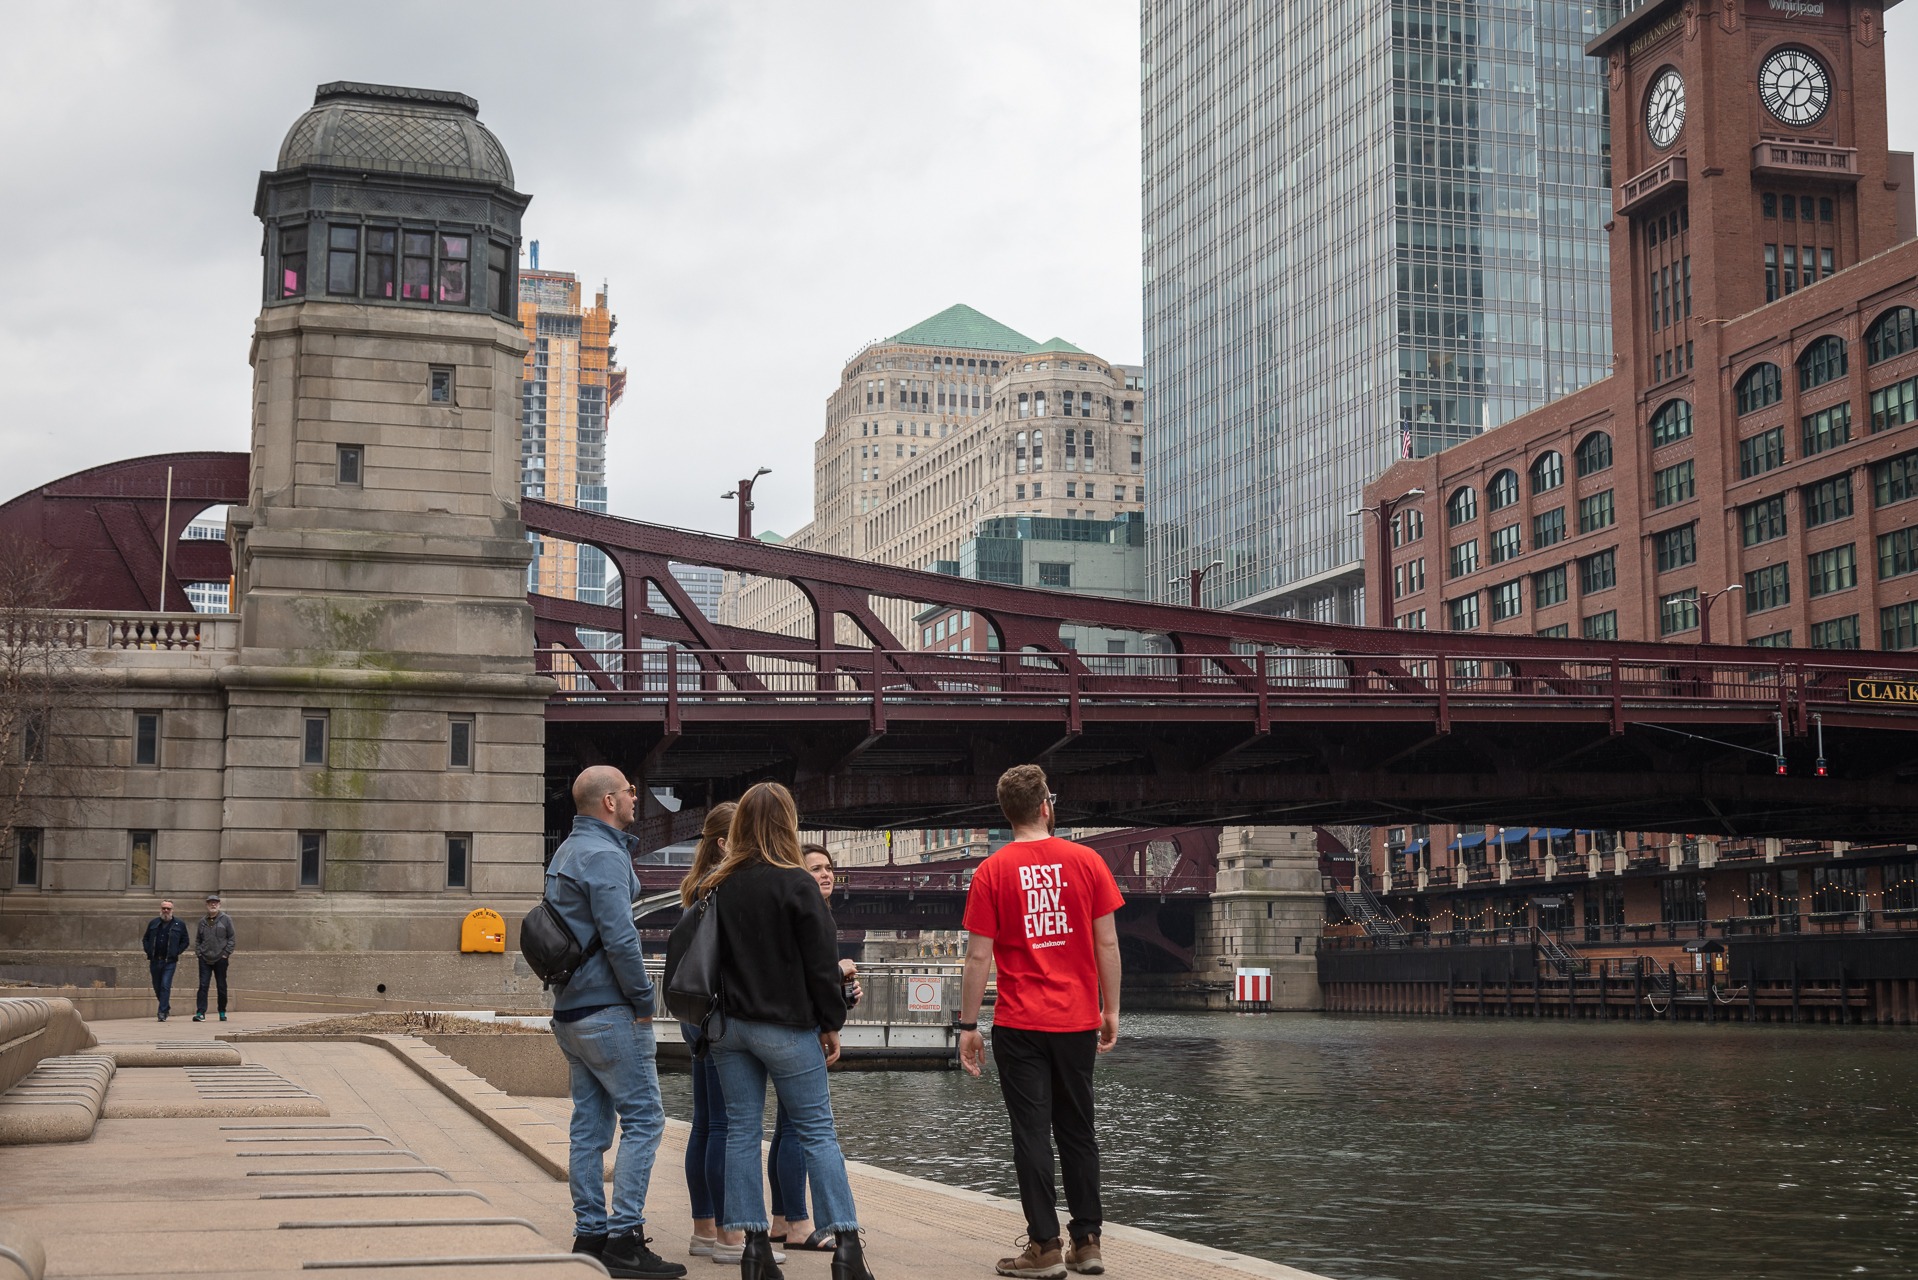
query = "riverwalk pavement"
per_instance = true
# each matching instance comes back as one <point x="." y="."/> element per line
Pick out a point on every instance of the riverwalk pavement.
<point x="381" y="1157"/>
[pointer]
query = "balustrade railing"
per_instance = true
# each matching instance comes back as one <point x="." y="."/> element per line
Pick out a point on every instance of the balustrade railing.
<point x="122" y="632"/>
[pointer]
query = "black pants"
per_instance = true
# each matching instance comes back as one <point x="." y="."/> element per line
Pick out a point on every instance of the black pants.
<point x="1046" y="1077"/>
<point x="208" y="972"/>
<point x="162" y="971"/>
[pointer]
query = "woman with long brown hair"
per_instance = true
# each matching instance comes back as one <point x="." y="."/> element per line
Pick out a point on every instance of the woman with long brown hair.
<point x="783" y="1010"/>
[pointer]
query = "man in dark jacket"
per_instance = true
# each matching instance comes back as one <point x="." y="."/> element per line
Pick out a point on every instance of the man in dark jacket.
<point x="603" y="1020"/>
<point x="164" y="943"/>
<point x="213" y="947"/>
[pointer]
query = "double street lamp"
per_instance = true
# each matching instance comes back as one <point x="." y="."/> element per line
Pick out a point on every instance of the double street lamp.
<point x="1195" y="580"/>
<point x="744" y="492"/>
<point x="1384" y="509"/>
<point x="1705" y="601"/>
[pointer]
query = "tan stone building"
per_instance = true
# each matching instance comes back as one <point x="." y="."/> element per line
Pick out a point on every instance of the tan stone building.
<point x="942" y="425"/>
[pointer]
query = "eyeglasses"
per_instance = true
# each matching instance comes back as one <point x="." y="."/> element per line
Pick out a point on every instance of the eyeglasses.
<point x="632" y="789"/>
<point x="1052" y="798"/>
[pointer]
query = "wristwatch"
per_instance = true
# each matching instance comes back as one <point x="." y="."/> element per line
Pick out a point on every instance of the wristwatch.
<point x="965" y="1026"/>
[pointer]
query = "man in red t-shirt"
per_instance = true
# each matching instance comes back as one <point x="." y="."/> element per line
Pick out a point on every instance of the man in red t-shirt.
<point x="1041" y="910"/>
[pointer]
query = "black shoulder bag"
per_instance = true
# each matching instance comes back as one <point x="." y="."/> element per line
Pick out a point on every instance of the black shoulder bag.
<point x="549" y="947"/>
<point x="695" y="990"/>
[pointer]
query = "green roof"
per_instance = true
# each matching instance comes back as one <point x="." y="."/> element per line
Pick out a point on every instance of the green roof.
<point x="767" y="535"/>
<point x="1059" y="344"/>
<point x="961" y="326"/>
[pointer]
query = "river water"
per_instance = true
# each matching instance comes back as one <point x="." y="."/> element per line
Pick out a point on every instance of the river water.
<point x="1431" y="1149"/>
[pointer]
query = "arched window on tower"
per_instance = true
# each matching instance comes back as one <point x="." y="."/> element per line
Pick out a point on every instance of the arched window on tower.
<point x="1548" y="471"/>
<point x="1502" y="492"/>
<point x="1823" y="361"/>
<point x="1672" y="422"/>
<point x="1762" y="385"/>
<point x="1461" y="506"/>
<point x="1893" y="334"/>
<point x="1594" y="454"/>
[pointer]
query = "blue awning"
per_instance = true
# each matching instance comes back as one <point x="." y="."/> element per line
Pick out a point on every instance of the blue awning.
<point x="1466" y="842"/>
<point x="1514" y="835"/>
<point x="1416" y="846"/>
<point x="1552" y="833"/>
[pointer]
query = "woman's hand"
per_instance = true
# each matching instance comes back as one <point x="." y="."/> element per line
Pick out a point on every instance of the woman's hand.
<point x="829" y="1041"/>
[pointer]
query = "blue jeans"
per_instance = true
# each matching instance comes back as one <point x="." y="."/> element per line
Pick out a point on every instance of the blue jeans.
<point x="610" y="1057"/>
<point x="706" y="1144"/>
<point x="791" y="1057"/>
<point x="786" y="1170"/>
<point x="162" y="971"/>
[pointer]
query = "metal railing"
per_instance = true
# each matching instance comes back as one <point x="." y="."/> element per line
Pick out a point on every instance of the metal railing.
<point x="1261" y="680"/>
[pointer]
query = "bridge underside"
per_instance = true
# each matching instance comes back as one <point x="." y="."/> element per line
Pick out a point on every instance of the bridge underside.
<point x="1682" y="776"/>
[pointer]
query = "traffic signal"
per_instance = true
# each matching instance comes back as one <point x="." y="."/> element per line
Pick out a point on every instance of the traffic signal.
<point x="1778" y="765"/>
<point x="1819" y="769"/>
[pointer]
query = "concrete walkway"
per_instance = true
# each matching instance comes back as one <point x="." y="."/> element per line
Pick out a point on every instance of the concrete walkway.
<point x="402" y="1169"/>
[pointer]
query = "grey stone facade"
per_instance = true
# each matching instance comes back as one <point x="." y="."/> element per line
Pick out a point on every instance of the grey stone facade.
<point x="380" y="571"/>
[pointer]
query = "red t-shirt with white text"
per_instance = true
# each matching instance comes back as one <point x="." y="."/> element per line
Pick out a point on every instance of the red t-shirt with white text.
<point x="1036" y="900"/>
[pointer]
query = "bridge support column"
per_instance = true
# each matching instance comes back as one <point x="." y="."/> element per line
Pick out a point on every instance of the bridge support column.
<point x="1267" y="911"/>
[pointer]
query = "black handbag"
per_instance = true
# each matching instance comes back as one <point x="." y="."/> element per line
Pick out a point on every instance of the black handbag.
<point x="695" y="989"/>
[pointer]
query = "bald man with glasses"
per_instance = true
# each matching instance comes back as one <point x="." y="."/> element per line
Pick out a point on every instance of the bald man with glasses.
<point x="603" y="1020"/>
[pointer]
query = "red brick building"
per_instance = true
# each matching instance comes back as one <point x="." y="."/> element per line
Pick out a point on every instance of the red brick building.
<point x="1749" y="472"/>
<point x="1755" y="431"/>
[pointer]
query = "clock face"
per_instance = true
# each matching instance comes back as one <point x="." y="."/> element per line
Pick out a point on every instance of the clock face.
<point x="1794" y="87"/>
<point x="1665" y="108"/>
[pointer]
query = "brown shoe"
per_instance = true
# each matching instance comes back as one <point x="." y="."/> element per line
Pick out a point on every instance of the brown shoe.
<point x="1042" y="1260"/>
<point x="1083" y="1257"/>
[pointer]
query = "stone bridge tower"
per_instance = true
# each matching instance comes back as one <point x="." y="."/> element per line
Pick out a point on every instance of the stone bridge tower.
<point x="384" y="732"/>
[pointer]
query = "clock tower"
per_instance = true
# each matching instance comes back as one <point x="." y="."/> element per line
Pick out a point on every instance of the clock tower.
<point x="1749" y="141"/>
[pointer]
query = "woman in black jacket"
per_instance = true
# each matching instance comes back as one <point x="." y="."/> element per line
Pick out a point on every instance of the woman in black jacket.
<point x="783" y="1011"/>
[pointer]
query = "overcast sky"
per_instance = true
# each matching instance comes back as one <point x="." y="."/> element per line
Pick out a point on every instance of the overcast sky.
<point x="765" y="185"/>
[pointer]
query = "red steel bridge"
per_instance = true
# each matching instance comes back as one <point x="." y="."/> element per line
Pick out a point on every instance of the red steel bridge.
<point x="1239" y="718"/>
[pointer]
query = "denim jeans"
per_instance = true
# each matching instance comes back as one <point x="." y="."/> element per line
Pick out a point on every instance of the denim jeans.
<point x="786" y="1170"/>
<point x="610" y="1056"/>
<point x="706" y="1143"/>
<point x="749" y="1055"/>
<point x="162" y="971"/>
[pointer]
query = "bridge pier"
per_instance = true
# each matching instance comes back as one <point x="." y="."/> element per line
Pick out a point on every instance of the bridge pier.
<point x="1267" y="911"/>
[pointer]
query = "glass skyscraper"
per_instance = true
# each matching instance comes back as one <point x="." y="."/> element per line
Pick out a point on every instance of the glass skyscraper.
<point x="1371" y="230"/>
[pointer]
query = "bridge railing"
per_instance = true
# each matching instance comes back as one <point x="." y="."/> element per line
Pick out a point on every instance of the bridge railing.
<point x="679" y="677"/>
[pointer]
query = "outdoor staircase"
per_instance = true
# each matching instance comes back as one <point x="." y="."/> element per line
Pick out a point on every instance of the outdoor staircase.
<point x="1567" y="962"/>
<point x="1371" y="915"/>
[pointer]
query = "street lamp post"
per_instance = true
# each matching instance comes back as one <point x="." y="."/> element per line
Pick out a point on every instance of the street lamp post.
<point x="744" y="492"/>
<point x="1384" y="510"/>
<point x="1705" y="603"/>
<point x="1195" y="581"/>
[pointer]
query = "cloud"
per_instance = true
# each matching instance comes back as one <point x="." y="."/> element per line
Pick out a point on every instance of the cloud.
<point x="764" y="187"/>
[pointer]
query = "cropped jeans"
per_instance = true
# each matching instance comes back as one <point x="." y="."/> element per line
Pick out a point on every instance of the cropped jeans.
<point x="749" y="1055"/>
<point x="610" y="1057"/>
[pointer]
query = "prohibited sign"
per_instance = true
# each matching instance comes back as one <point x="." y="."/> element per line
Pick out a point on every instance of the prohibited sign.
<point x="925" y="993"/>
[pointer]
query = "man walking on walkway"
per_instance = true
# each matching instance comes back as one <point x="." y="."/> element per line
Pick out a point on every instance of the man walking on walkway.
<point x="213" y="947"/>
<point x="164" y="942"/>
<point x="1041" y="910"/>
<point x="603" y="1020"/>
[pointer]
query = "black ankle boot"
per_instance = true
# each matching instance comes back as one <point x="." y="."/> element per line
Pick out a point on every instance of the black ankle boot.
<point x="849" y="1259"/>
<point x="756" y="1260"/>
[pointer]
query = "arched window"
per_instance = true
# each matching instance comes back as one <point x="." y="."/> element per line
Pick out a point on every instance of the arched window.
<point x="1895" y="333"/>
<point x="1823" y="360"/>
<point x="1025" y="406"/>
<point x="1672" y="422"/>
<point x="1502" y="492"/>
<point x="1594" y="454"/>
<point x="1548" y="472"/>
<point x="1761" y="385"/>
<point x="1462" y="506"/>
